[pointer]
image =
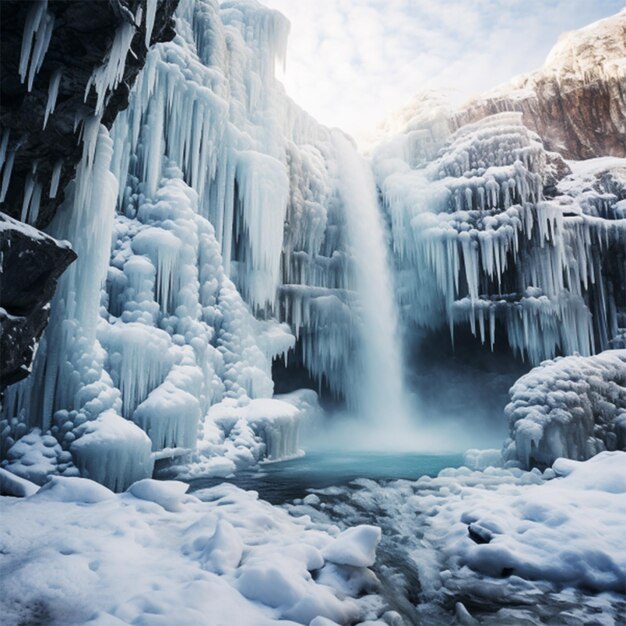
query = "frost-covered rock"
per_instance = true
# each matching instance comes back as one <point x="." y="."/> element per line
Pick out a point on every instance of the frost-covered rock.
<point x="483" y="237"/>
<point x="571" y="407"/>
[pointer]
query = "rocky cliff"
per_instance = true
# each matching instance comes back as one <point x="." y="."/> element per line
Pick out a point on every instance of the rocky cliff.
<point x="577" y="101"/>
<point x="63" y="63"/>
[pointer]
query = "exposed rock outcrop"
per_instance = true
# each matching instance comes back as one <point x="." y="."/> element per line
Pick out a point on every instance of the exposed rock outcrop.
<point x="31" y="263"/>
<point x="83" y="37"/>
<point x="577" y="101"/>
<point x="49" y="52"/>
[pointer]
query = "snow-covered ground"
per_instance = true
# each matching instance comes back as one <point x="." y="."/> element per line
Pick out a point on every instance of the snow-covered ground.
<point x="76" y="553"/>
<point x="502" y="546"/>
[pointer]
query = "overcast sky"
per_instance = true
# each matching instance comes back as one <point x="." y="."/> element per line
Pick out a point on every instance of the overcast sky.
<point x="351" y="62"/>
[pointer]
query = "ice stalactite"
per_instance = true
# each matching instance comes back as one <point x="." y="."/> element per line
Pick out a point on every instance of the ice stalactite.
<point x="477" y="241"/>
<point x="35" y="40"/>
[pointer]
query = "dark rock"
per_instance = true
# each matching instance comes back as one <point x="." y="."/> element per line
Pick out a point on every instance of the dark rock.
<point x="31" y="263"/>
<point x="479" y="534"/>
<point x="81" y="40"/>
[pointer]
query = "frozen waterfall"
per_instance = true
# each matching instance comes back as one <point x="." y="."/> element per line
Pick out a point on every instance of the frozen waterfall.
<point x="381" y="397"/>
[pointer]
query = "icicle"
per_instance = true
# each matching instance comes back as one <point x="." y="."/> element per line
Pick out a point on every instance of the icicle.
<point x="151" y="7"/>
<point x="107" y="77"/>
<point x="55" y="178"/>
<point x="35" y="40"/>
<point x="53" y="92"/>
<point x="6" y="175"/>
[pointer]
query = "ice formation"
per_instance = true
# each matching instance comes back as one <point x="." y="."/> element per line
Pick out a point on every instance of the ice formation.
<point x="571" y="407"/>
<point x="219" y="244"/>
<point x="477" y="240"/>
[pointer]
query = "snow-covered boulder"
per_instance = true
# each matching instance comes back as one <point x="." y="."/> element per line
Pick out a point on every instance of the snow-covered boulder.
<point x="570" y="407"/>
<point x="355" y="546"/>
<point x="113" y="451"/>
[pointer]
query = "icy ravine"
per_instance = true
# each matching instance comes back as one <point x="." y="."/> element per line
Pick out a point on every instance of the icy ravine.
<point x="382" y="398"/>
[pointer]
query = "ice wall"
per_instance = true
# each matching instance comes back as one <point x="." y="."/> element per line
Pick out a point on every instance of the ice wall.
<point x="478" y="241"/>
<point x="217" y="217"/>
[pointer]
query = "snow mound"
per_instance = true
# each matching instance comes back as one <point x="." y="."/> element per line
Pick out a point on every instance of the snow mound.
<point x="13" y="485"/>
<point x="355" y="547"/>
<point x="167" y="493"/>
<point x="113" y="451"/>
<point x="569" y="530"/>
<point x="73" y="489"/>
<point x="573" y="407"/>
<point x="79" y="552"/>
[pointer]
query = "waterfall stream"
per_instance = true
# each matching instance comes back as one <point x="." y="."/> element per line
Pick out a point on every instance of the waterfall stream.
<point x="382" y="399"/>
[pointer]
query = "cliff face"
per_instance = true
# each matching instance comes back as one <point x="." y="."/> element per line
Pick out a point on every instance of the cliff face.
<point x="82" y="37"/>
<point x="31" y="264"/>
<point x="51" y="53"/>
<point x="577" y="101"/>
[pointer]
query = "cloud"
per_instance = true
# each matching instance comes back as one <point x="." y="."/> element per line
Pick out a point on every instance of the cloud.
<point x="352" y="62"/>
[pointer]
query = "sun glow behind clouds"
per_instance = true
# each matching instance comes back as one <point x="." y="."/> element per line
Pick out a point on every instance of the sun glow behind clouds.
<point x="352" y="62"/>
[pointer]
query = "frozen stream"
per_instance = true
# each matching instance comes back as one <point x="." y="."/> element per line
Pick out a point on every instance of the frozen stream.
<point x="285" y="481"/>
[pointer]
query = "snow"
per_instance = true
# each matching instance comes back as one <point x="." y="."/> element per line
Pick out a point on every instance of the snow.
<point x="355" y="547"/>
<point x="113" y="451"/>
<point x="573" y="407"/>
<point x="72" y="489"/>
<point x="166" y="493"/>
<point x="524" y="546"/>
<point x="13" y="485"/>
<point x="81" y="554"/>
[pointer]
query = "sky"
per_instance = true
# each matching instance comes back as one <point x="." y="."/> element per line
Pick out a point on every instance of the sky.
<point x="350" y="63"/>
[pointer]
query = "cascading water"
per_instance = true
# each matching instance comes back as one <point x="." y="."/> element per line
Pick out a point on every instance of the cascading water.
<point x="381" y="395"/>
